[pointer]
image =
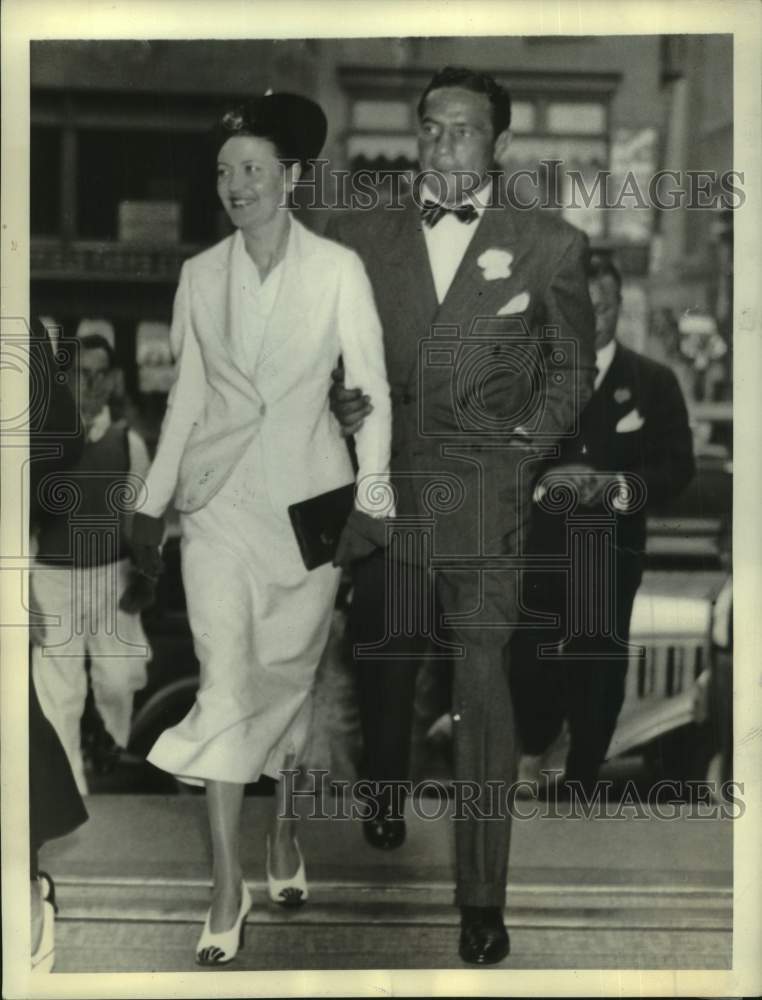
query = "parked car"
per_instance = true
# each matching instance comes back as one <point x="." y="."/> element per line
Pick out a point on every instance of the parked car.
<point x="678" y="706"/>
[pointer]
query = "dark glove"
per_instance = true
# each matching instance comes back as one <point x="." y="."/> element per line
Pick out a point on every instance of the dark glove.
<point x="146" y="536"/>
<point x="139" y="594"/>
<point x="361" y="536"/>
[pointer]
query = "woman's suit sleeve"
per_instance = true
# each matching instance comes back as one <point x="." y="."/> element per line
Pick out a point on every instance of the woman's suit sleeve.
<point x="184" y="404"/>
<point x="362" y="349"/>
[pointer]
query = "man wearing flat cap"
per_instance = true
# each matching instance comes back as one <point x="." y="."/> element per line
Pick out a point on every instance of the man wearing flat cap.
<point x="488" y="332"/>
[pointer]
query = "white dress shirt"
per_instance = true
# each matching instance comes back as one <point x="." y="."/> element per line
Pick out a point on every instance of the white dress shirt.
<point x="256" y="298"/>
<point x="603" y="359"/>
<point x="448" y="240"/>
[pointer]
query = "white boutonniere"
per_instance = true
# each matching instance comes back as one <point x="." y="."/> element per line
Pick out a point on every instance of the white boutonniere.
<point x="495" y="263"/>
<point x="622" y="395"/>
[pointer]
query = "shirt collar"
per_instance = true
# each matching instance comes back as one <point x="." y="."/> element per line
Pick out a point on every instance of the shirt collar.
<point x="603" y="360"/>
<point x="99" y="425"/>
<point x="244" y="264"/>
<point x="481" y="199"/>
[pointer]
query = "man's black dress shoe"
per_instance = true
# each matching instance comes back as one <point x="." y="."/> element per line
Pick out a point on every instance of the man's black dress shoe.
<point x="384" y="832"/>
<point x="483" y="937"/>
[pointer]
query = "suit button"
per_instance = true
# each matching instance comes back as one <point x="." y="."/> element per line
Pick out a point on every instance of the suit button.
<point x="262" y="410"/>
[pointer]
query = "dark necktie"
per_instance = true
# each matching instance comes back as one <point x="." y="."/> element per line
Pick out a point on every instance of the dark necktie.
<point x="432" y="212"/>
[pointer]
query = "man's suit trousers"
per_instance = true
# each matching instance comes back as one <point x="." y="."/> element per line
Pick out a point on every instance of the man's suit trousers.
<point x="587" y="691"/>
<point x="394" y="608"/>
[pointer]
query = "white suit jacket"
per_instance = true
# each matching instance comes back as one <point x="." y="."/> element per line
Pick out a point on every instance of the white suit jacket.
<point x="324" y="308"/>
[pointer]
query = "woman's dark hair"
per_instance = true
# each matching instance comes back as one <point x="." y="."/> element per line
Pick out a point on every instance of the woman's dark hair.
<point x="479" y="83"/>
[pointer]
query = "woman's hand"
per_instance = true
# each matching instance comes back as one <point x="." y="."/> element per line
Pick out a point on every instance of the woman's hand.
<point x="361" y="536"/>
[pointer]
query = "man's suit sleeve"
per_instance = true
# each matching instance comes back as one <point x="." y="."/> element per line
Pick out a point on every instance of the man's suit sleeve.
<point x="567" y="306"/>
<point x="668" y="462"/>
<point x="184" y="403"/>
<point x="362" y="349"/>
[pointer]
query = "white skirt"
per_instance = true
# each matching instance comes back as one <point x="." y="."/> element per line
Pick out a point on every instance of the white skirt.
<point x="260" y="622"/>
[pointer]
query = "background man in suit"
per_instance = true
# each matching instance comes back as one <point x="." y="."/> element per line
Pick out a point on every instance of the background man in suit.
<point x="635" y="423"/>
<point x="468" y="423"/>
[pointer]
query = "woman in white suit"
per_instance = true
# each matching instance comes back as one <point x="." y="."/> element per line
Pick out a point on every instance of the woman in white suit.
<point x="258" y="324"/>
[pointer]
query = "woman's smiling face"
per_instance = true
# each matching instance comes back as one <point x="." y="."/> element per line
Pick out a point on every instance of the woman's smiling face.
<point x="252" y="182"/>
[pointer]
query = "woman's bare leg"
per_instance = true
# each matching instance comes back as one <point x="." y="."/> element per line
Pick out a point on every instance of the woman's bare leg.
<point x="284" y="860"/>
<point x="224" y="801"/>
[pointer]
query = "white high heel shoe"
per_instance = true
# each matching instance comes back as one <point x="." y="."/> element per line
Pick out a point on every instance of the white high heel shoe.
<point x="288" y="891"/>
<point x="221" y="948"/>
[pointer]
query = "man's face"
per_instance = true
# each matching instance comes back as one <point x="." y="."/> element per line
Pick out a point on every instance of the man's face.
<point x="604" y="295"/>
<point x="455" y="134"/>
<point x="96" y="381"/>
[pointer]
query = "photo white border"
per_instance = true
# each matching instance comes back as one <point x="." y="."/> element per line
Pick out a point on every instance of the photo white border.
<point x="23" y="20"/>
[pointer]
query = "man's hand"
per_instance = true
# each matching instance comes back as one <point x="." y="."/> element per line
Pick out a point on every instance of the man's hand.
<point x="361" y="536"/>
<point x="139" y="594"/>
<point x="521" y="436"/>
<point x="589" y="483"/>
<point x="349" y="406"/>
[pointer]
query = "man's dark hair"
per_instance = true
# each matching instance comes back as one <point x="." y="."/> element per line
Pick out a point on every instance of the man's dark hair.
<point x="599" y="267"/>
<point x="479" y="83"/>
<point x="95" y="341"/>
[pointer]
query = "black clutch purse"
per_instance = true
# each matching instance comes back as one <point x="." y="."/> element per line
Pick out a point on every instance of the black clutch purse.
<point x="319" y="522"/>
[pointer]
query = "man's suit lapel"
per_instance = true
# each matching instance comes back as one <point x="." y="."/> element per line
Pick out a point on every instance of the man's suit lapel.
<point x="469" y="294"/>
<point x="617" y="387"/>
<point x="611" y="400"/>
<point x="408" y="284"/>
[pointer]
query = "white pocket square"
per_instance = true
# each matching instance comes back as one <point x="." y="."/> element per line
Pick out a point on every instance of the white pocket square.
<point x="518" y="304"/>
<point x="631" y="421"/>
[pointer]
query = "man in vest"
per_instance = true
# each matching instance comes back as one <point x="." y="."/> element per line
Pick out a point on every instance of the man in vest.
<point x="83" y="579"/>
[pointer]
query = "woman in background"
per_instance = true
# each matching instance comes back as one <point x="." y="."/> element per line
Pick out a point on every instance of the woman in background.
<point x="259" y="322"/>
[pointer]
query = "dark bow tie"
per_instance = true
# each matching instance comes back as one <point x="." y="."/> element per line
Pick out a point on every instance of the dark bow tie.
<point x="432" y="212"/>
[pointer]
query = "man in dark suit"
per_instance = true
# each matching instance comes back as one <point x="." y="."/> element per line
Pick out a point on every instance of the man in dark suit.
<point x="488" y="332"/>
<point x="635" y="449"/>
